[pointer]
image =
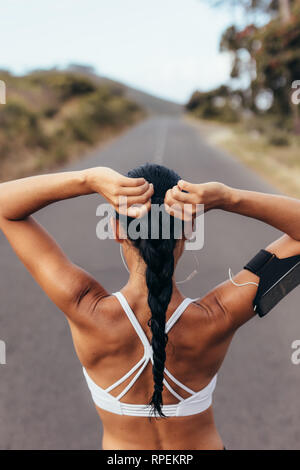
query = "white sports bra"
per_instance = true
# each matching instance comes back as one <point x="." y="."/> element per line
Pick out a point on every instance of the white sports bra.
<point x="196" y="403"/>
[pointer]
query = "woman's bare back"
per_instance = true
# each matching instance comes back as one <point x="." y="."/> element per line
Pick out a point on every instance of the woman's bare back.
<point x="196" y="348"/>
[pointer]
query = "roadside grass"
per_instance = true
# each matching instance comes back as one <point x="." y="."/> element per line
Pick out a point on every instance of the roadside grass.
<point x="273" y="153"/>
<point x="53" y="117"/>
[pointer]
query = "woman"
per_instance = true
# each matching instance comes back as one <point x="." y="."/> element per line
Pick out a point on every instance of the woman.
<point x="145" y="351"/>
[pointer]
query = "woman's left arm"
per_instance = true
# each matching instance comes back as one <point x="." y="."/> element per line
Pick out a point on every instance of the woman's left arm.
<point x="72" y="289"/>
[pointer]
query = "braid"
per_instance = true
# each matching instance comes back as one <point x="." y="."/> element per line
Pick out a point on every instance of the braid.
<point x="159" y="258"/>
<point x="158" y="255"/>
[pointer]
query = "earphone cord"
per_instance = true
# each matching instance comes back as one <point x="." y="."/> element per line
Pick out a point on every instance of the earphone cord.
<point x="242" y="284"/>
<point x="124" y="262"/>
<point x="188" y="278"/>
<point x="193" y="274"/>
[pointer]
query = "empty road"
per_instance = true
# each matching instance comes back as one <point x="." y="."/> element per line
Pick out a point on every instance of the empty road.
<point x="44" y="401"/>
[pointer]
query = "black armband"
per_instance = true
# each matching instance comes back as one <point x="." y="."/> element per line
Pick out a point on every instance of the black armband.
<point x="277" y="276"/>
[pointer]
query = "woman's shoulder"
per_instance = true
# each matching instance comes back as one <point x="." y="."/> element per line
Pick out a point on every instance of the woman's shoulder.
<point x="209" y="312"/>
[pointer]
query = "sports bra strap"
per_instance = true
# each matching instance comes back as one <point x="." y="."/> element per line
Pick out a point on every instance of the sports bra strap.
<point x="196" y="403"/>
<point x="178" y="312"/>
<point x="180" y="384"/>
<point x="133" y="320"/>
<point x="148" y="355"/>
<point x="126" y="376"/>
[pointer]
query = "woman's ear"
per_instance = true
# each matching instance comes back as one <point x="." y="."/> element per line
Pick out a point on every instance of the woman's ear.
<point x="118" y="230"/>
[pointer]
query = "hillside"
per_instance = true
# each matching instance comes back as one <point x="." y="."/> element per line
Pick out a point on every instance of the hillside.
<point x="51" y="117"/>
<point x="150" y="103"/>
<point x="54" y="116"/>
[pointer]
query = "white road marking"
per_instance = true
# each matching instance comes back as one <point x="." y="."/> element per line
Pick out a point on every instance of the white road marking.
<point x="161" y="143"/>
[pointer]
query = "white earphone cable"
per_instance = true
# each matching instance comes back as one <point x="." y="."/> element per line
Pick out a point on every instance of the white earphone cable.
<point x="124" y="262"/>
<point x="188" y="278"/>
<point x="242" y="284"/>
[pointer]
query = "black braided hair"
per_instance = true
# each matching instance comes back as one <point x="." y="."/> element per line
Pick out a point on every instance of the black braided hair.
<point x="158" y="254"/>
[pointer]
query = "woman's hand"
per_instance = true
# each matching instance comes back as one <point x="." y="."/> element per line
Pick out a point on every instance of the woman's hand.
<point x="182" y="200"/>
<point x="123" y="193"/>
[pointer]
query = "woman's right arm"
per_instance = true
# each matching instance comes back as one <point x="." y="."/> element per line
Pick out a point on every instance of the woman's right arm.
<point x="281" y="212"/>
<point x="71" y="288"/>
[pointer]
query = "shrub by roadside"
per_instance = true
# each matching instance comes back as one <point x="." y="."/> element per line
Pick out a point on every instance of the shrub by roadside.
<point x="52" y="117"/>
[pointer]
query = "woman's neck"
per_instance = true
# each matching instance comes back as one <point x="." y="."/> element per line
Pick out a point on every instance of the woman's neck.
<point x="137" y="277"/>
<point x="137" y="283"/>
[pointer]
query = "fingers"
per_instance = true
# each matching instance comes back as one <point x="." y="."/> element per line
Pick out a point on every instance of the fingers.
<point x="137" y="190"/>
<point x="135" y="206"/>
<point x="143" y="198"/>
<point x="186" y="186"/>
<point x="174" y="206"/>
<point x="188" y="198"/>
<point x="180" y="204"/>
<point x="185" y="212"/>
<point x="169" y="198"/>
<point x="174" y="195"/>
<point x="138" y="212"/>
<point x="175" y="210"/>
<point x="133" y="182"/>
<point x="180" y="201"/>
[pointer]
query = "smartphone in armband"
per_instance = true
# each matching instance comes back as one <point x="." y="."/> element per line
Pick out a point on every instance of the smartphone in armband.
<point x="278" y="277"/>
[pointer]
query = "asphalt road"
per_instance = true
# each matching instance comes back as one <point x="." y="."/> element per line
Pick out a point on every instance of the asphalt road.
<point x="44" y="402"/>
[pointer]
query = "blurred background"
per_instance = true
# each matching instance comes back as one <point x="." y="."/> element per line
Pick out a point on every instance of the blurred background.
<point x="208" y="87"/>
<point x="74" y="75"/>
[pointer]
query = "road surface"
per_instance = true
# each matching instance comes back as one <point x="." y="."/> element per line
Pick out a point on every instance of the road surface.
<point x="44" y="402"/>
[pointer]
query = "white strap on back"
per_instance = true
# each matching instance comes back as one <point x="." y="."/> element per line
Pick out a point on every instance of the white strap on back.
<point x="178" y="312"/>
<point x="180" y="384"/>
<point x="171" y="390"/>
<point x="170" y="323"/>
<point x="148" y="348"/>
<point x="196" y="403"/>
<point x="126" y="376"/>
<point x="133" y="320"/>
<point x="133" y="380"/>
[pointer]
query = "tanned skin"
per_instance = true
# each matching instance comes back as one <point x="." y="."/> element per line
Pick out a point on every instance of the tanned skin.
<point x="104" y="339"/>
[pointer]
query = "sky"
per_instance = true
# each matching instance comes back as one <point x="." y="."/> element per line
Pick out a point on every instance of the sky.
<point x="166" y="47"/>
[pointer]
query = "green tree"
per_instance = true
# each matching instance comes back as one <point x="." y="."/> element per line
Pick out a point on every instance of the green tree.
<point x="272" y="58"/>
<point x="282" y="7"/>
